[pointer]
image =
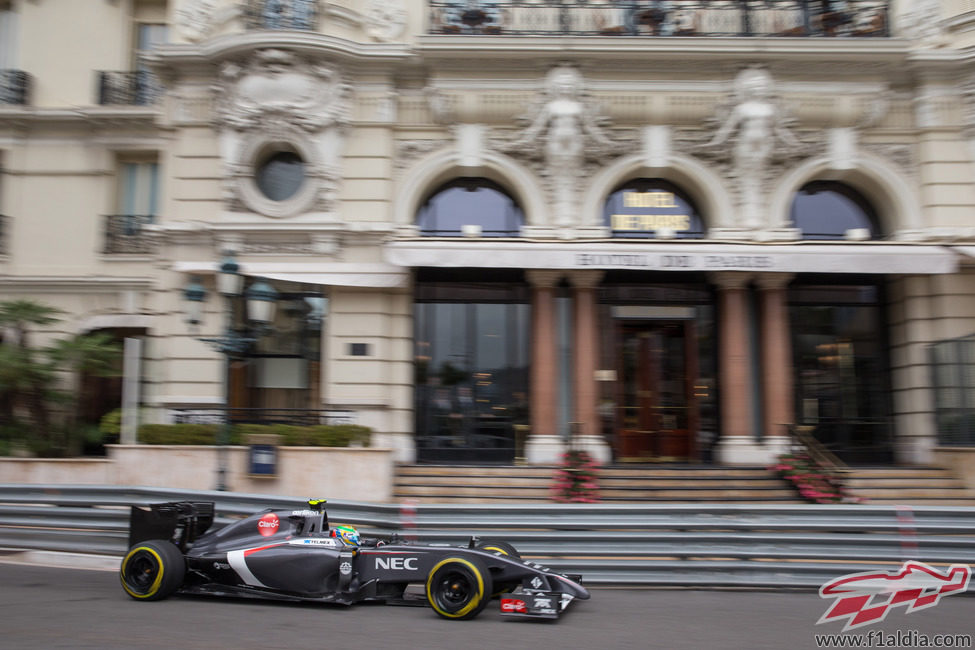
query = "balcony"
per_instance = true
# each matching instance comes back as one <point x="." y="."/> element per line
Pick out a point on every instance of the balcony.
<point x="299" y="15"/>
<point x="137" y="88"/>
<point x="125" y="234"/>
<point x="673" y="18"/>
<point x="14" y="87"/>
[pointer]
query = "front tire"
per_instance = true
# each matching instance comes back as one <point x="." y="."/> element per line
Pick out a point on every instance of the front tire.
<point x="152" y="570"/>
<point x="458" y="588"/>
<point x="499" y="547"/>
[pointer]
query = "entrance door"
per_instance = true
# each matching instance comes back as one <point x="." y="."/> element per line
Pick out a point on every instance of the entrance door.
<point x="658" y="415"/>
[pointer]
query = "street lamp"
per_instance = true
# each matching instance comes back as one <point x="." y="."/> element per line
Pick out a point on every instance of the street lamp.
<point x="235" y="341"/>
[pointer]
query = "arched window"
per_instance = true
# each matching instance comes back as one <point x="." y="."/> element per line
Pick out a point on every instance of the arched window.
<point x="831" y="210"/>
<point x="474" y="206"/>
<point x="651" y="208"/>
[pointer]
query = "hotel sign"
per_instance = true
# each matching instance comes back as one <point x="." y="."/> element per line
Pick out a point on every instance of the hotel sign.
<point x="677" y="256"/>
<point x="629" y="213"/>
<point x="676" y="262"/>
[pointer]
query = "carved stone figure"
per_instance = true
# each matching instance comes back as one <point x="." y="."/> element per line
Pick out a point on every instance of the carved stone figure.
<point x="754" y="125"/>
<point x="566" y="126"/>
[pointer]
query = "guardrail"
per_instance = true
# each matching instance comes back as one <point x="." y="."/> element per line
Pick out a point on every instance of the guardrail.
<point x="718" y="545"/>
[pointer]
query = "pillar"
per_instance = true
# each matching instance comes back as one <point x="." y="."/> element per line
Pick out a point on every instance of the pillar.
<point x="736" y="445"/>
<point x="777" y="363"/>
<point x="585" y="389"/>
<point x="544" y="445"/>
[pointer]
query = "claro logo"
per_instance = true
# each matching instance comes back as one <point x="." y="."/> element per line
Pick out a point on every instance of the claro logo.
<point x="396" y="563"/>
<point x="268" y="524"/>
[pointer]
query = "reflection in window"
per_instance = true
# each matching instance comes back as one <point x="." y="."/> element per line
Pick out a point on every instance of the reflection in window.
<point x="648" y="208"/>
<point x="281" y="14"/>
<point x="281" y="175"/>
<point x="828" y="210"/>
<point x="841" y="368"/>
<point x="471" y="368"/>
<point x="470" y="202"/>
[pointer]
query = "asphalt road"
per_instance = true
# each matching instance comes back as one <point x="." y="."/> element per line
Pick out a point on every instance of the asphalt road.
<point x="43" y="607"/>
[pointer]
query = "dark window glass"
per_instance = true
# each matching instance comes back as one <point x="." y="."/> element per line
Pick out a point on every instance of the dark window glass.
<point x="281" y="175"/>
<point x="472" y="359"/>
<point x="827" y="210"/>
<point x="841" y="368"/>
<point x="643" y="208"/>
<point x="474" y="202"/>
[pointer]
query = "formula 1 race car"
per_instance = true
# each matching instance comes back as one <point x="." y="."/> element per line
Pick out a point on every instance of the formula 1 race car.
<point x="295" y="555"/>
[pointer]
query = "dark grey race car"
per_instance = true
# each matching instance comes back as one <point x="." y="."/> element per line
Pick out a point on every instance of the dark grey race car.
<point x="295" y="555"/>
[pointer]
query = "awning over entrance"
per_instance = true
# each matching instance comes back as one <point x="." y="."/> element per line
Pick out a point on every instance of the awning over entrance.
<point x="806" y="257"/>
<point x="340" y="274"/>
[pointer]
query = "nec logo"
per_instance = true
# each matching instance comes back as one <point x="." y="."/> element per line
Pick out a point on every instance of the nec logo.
<point x="396" y="563"/>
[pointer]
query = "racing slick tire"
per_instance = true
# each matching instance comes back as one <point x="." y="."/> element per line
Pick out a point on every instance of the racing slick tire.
<point x="501" y="548"/>
<point x="458" y="588"/>
<point x="498" y="546"/>
<point x="152" y="570"/>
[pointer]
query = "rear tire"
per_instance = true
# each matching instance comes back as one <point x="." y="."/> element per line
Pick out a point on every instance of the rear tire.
<point x="152" y="570"/>
<point x="458" y="588"/>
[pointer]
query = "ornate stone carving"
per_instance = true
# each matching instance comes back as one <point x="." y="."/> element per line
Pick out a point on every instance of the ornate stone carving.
<point x="564" y="128"/>
<point x="903" y="155"/>
<point x="384" y="20"/>
<point x="194" y="19"/>
<point x="407" y="151"/>
<point x="279" y="101"/>
<point x="753" y="121"/>
<point x="922" y="23"/>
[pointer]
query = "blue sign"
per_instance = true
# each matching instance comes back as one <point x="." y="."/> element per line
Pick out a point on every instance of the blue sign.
<point x="264" y="460"/>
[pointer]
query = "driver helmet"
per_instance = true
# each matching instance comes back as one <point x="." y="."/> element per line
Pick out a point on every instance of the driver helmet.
<point x="347" y="534"/>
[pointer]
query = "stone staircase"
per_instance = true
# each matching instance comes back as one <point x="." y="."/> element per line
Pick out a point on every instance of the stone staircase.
<point x="908" y="486"/>
<point x="643" y="483"/>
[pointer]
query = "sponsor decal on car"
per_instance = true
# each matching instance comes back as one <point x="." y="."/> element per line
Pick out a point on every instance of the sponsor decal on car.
<point x="345" y="568"/>
<point x="221" y="565"/>
<point x="513" y="606"/>
<point x="396" y="563"/>
<point x="314" y="542"/>
<point x="268" y="524"/>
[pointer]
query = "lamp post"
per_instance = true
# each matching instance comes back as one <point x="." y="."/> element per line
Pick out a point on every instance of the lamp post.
<point x="235" y="340"/>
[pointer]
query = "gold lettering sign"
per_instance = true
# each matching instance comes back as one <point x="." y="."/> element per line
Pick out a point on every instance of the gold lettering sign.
<point x="649" y="200"/>
<point x="650" y="221"/>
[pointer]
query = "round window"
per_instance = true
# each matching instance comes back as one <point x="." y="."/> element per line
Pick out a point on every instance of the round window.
<point x="280" y="175"/>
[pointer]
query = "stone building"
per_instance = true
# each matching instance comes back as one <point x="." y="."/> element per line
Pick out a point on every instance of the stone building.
<point x="663" y="230"/>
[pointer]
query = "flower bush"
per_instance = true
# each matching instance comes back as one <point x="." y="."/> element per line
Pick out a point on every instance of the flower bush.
<point x="575" y="479"/>
<point x="814" y="483"/>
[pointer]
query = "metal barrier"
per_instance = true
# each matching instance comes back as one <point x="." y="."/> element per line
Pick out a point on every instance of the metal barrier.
<point x="716" y="545"/>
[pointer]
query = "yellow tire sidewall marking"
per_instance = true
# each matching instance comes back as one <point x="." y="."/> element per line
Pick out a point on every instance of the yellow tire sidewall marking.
<point x="159" y="575"/>
<point x="494" y="548"/>
<point x="474" y="601"/>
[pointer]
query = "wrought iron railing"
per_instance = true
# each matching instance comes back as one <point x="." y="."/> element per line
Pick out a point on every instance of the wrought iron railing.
<point x="851" y="18"/>
<point x="14" y="87"/>
<point x="296" y="417"/>
<point x="281" y="14"/>
<point x="125" y="233"/>
<point x="953" y="370"/>
<point x="135" y="88"/>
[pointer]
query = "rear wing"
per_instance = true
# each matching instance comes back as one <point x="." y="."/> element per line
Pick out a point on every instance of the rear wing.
<point x="180" y="522"/>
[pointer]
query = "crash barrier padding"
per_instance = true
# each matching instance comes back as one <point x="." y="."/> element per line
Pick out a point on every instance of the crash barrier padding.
<point x="702" y="545"/>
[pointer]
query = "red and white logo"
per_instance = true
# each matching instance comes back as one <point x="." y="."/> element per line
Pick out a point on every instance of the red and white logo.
<point x="513" y="606"/>
<point x="268" y="524"/>
<point x="866" y="598"/>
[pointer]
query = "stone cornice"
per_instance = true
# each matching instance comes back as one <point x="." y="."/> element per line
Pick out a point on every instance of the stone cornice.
<point x="72" y="283"/>
<point x="93" y="117"/>
<point x="199" y="59"/>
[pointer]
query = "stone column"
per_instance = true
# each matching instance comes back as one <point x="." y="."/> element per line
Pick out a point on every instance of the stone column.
<point x="736" y="445"/>
<point x="777" y="364"/>
<point x="544" y="445"/>
<point x="585" y="390"/>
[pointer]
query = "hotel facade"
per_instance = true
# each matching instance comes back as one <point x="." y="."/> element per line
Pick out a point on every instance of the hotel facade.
<point x="661" y="231"/>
